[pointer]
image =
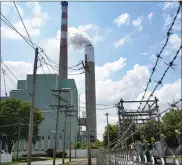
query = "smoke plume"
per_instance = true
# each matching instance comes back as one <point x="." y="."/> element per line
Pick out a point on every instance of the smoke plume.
<point x="78" y="39"/>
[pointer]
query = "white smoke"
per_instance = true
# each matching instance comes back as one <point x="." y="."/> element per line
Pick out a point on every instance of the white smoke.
<point x="78" y="39"/>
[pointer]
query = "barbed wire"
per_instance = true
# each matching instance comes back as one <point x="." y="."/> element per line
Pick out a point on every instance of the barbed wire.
<point x="170" y="65"/>
<point x="159" y="54"/>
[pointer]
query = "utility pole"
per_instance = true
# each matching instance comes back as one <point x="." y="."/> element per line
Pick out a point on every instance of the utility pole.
<point x="32" y="109"/>
<point x="64" y="134"/>
<point x="66" y="115"/>
<point x="79" y="116"/>
<point x="88" y="148"/>
<point x="63" y="106"/>
<point x="57" y="125"/>
<point x="75" y="143"/>
<point x="18" y="141"/>
<point x="70" y="139"/>
<point x="108" y="135"/>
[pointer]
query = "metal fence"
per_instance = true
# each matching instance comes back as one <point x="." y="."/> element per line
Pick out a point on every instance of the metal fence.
<point x="142" y="154"/>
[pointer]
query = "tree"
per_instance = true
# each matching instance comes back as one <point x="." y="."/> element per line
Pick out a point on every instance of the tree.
<point x="97" y="144"/>
<point x="78" y="145"/>
<point x="172" y="122"/>
<point x="14" y="117"/>
<point x="113" y="132"/>
<point x="150" y="131"/>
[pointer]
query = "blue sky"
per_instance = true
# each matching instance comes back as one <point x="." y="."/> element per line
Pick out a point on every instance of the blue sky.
<point x="130" y="31"/>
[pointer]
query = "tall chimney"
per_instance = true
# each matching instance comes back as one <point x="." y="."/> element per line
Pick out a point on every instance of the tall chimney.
<point x="63" y="55"/>
<point x="90" y="93"/>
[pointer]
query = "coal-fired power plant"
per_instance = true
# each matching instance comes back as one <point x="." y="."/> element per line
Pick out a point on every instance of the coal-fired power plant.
<point x="89" y="70"/>
<point x="63" y="55"/>
<point x="90" y="93"/>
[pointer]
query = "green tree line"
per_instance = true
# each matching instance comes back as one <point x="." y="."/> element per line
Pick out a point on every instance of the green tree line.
<point x="14" y="121"/>
<point x="169" y="125"/>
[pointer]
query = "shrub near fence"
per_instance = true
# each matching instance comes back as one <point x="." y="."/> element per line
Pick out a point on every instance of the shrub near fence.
<point x="59" y="153"/>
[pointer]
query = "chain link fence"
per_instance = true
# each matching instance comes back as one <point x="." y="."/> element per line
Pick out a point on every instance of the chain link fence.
<point x="143" y="153"/>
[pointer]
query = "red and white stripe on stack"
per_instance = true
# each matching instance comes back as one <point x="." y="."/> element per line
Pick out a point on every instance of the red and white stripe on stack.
<point x="64" y="21"/>
<point x="63" y="61"/>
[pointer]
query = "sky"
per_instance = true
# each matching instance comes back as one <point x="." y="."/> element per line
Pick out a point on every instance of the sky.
<point x="126" y="37"/>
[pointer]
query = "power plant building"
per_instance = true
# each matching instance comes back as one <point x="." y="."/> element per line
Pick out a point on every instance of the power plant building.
<point x="46" y="101"/>
<point x="44" y="97"/>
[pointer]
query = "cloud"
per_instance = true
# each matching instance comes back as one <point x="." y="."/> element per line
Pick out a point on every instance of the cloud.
<point x="144" y="53"/>
<point x="127" y="87"/>
<point x="121" y="42"/>
<point x="169" y="5"/>
<point x="122" y="19"/>
<point x="167" y="93"/>
<point x="6" y="7"/>
<point x="173" y="45"/>
<point x="138" y="23"/>
<point x="175" y="41"/>
<point x="103" y="72"/>
<point x="33" y="24"/>
<point x="168" y="8"/>
<point x="153" y="57"/>
<point x="19" y="69"/>
<point x="124" y="40"/>
<point x="150" y="16"/>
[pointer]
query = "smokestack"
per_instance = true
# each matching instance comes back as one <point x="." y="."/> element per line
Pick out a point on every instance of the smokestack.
<point x="63" y="56"/>
<point x="90" y="92"/>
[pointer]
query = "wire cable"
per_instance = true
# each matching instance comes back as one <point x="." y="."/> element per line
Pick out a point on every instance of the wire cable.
<point x="159" y="54"/>
<point x="23" y="24"/>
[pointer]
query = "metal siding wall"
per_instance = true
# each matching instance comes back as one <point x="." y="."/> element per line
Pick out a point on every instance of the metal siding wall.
<point x="43" y="98"/>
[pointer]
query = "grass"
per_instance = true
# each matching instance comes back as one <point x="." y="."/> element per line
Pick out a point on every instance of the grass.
<point x="68" y="163"/>
<point x="73" y="161"/>
<point x="176" y="156"/>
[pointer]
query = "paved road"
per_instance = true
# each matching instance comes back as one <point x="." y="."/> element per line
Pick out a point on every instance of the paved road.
<point x="58" y="161"/>
<point x="47" y="162"/>
<point x="84" y="162"/>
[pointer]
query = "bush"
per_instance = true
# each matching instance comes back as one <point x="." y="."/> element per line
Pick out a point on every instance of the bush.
<point x="59" y="153"/>
<point x="36" y="155"/>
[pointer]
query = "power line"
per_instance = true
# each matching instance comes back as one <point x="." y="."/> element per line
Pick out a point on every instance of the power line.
<point x="23" y="23"/>
<point x="101" y="105"/>
<point x="29" y="40"/>
<point x="12" y="27"/>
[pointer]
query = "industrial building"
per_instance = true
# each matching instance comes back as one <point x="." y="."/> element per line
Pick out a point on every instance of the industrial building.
<point x="44" y="98"/>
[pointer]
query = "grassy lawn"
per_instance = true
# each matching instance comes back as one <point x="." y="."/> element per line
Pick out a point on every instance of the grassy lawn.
<point x="67" y="163"/>
<point x="73" y="161"/>
<point x="176" y="156"/>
